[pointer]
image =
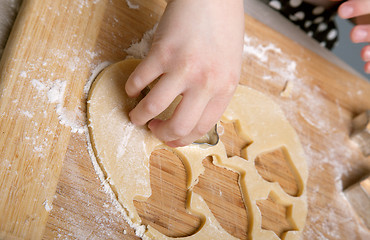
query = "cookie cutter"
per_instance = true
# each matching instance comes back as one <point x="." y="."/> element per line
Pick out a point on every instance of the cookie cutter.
<point x="210" y="139"/>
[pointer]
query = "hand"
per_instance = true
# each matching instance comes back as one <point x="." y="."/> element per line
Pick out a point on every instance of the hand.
<point x="197" y="53"/>
<point x="361" y="32"/>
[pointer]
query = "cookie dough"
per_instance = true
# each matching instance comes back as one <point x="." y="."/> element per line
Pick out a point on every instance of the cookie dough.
<point x="122" y="151"/>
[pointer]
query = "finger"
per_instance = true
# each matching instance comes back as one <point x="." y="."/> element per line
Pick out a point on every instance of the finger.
<point x="365" y="53"/>
<point x="209" y="118"/>
<point x="146" y="72"/>
<point x="157" y="100"/>
<point x="354" y="8"/>
<point x="360" y="33"/>
<point x="367" y="67"/>
<point x="183" y="120"/>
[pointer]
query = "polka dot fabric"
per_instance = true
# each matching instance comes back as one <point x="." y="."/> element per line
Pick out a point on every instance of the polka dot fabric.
<point x="316" y="21"/>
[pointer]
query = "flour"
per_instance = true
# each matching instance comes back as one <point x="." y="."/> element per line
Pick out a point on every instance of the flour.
<point x="139" y="229"/>
<point x="131" y="5"/>
<point x="38" y="85"/>
<point x="27" y="114"/>
<point x="282" y="68"/>
<point x="95" y="72"/>
<point x="296" y="92"/>
<point x="48" y="206"/>
<point x="74" y="119"/>
<point x="73" y="63"/>
<point x="56" y="91"/>
<point x="137" y="50"/>
<point x="56" y="94"/>
<point x="128" y="130"/>
<point x="140" y="49"/>
<point x="303" y="104"/>
<point x="23" y="74"/>
<point x="259" y="51"/>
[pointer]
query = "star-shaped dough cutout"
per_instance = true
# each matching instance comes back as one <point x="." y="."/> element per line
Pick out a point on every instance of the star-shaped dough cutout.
<point x="235" y="144"/>
<point x="276" y="217"/>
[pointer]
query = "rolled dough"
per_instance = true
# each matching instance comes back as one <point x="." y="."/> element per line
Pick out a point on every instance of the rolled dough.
<point x="122" y="151"/>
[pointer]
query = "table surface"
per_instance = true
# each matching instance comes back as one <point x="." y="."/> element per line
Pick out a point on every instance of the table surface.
<point x="49" y="187"/>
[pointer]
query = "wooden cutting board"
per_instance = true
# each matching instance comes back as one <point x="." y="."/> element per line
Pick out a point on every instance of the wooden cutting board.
<point x="48" y="186"/>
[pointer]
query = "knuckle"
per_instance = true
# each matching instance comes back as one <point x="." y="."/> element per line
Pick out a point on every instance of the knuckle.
<point x="202" y="129"/>
<point x="180" y="130"/>
<point x="229" y="85"/>
<point x="234" y="78"/>
<point x="230" y="89"/>
<point x="205" y="79"/>
<point x="133" y="86"/>
<point x="163" y="53"/>
<point x="151" y="107"/>
<point x="214" y="79"/>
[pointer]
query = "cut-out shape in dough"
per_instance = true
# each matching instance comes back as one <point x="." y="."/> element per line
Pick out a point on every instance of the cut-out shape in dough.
<point x="276" y="166"/>
<point x="168" y="201"/>
<point x="223" y="198"/>
<point x="234" y="142"/>
<point x="122" y="151"/>
<point x="276" y="216"/>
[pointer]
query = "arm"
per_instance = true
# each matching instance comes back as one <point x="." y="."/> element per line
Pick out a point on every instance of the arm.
<point x="197" y="53"/>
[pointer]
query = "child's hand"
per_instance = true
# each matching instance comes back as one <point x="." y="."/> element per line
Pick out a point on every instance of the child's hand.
<point x="361" y="32"/>
<point x="197" y="52"/>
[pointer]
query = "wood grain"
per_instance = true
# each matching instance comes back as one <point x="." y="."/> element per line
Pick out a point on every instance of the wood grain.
<point x="275" y="217"/>
<point x="275" y="166"/>
<point x="50" y="35"/>
<point x="220" y="189"/>
<point x="234" y="143"/>
<point x="32" y="142"/>
<point x="166" y="208"/>
<point x="360" y="133"/>
<point x="359" y="197"/>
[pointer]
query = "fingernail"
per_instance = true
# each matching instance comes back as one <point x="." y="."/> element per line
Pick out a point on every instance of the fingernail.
<point x="360" y="35"/>
<point x="346" y="11"/>
<point x="151" y="124"/>
<point x="367" y="68"/>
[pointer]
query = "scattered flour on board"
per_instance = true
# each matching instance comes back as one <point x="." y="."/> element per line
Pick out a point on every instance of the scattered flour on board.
<point x="297" y="93"/>
<point x="52" y="88"/>
<point x="137" y="50"/>
<point x="139" y="229"/>
<point x="303" y="101"/>
<point x="56" y="93"/>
